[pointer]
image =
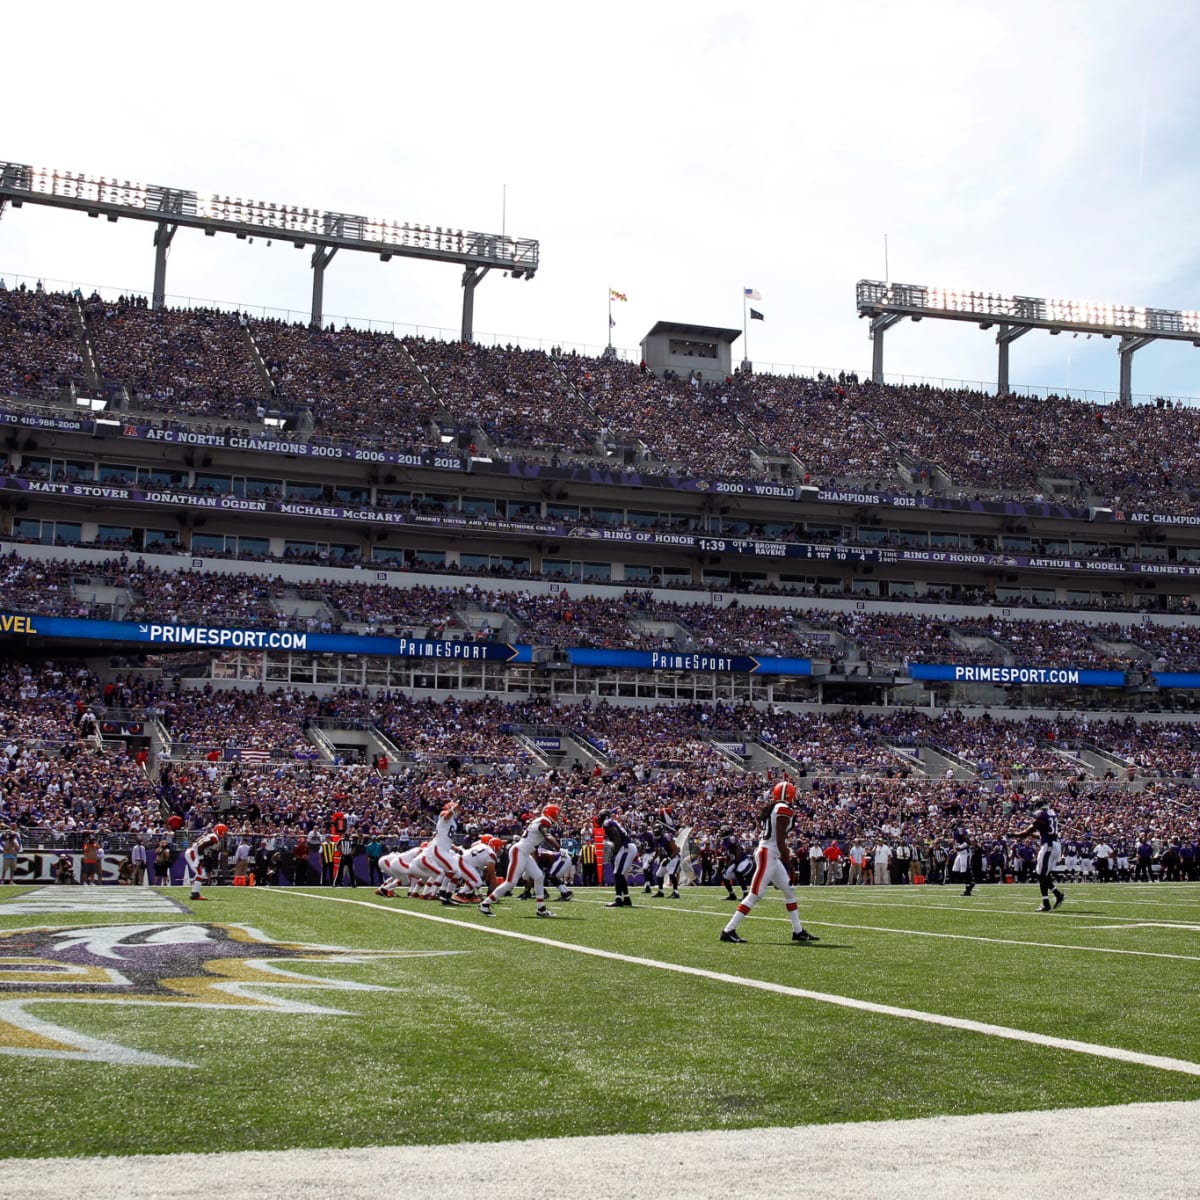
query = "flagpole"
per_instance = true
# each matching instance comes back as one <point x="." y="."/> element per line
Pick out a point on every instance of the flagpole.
<point x="610" y="320"/>
<point x="745" y="329"/>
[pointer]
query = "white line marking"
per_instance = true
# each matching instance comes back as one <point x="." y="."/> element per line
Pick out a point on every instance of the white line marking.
<point x="960" y="937"/>
<point x="982" y="908"/>
<point x="1118" y="1053"/>
<point x="1150" y="925"/>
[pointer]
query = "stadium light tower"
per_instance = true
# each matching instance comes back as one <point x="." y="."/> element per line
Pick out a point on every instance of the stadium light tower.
<point x="327" y="232"/>
<point x="1014" y="316"/>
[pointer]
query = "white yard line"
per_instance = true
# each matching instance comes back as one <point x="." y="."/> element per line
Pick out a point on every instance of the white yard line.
<point x="1117" y="1053"/>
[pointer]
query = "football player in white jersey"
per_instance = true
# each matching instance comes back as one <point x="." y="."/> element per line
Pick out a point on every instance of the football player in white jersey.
<point x="396" y="869"/>
<point x="442" y="853"/>
<point x="772" y="864"/>
<point x="194" y="857"/>
<point x="477" y="866"/>
<point x="522" y="860"/>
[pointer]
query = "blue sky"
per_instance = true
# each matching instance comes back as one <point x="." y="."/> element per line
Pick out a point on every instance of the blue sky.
<point x="675" y="151"/>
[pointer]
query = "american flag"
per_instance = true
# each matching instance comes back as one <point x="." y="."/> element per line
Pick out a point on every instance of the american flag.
<point x="254" y="756"/>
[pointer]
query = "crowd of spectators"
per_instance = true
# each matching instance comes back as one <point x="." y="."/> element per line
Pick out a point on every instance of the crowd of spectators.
<point x="46" y="588"/>
<point x="40" y="343"/>
<point x="204" y="597"/>
<point x="359" y="386"/>
<point x="685" y="426"/>
<point x="377" y="389"/>
<point x="194" y="362"/>
<point x="517" y="398"/>
<point x="55" y="783"/>
<point x="380" y="608"/>
<point x="569" y="618"/>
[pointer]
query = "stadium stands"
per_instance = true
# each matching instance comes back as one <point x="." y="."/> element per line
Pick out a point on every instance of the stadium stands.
<point x="172" y="736"/>
<point x="374" y="389"/>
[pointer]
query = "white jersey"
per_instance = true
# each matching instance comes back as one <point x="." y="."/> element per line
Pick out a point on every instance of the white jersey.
<point x="478" y="856"/>
<point x="399" y="862"/>
<point x="194" y="854"/>
<point x="535" y="835"/>
<point x="769" y="836"/>
<point x="446" y="828"/>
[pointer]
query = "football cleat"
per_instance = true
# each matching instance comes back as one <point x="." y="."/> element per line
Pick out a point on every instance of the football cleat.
<point x="731" y="896"/>
<point x="730" y="935"/>
<point x="486" y="909"/>
<point x="626" y="901"/>
<point x="1044" y="906"/>
<point x="658" y="895"/>
<point x="804" y="936"/>
<point x="1059" y="897"/>
<point x="617" y="903"/>
<point x="674" y="896"/>
<point x="544" y="912"/>
<point x="567" y="896"/>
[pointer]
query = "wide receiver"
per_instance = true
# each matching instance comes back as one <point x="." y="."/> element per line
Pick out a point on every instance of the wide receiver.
<point x="193" y="856"/>
<point x="772" y="864"/>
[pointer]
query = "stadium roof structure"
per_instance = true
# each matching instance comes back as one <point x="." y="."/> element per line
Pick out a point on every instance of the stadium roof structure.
<point x="1014" y="316"/>
<point x="715" y="332"/>
<point x="172" y="208"/>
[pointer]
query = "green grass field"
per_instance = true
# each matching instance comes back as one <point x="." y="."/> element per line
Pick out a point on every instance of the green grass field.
<point x="450" y="1031"/>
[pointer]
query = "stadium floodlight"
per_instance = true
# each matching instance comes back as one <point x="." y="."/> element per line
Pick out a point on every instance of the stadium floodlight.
<point x="886" y="303"/>
<point x="171" y="208"/>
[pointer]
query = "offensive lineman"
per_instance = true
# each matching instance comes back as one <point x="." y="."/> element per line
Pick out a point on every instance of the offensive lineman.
<point x="477" y="866"/>
<point x="773" y="864"/>
<point x="397" y="869"/>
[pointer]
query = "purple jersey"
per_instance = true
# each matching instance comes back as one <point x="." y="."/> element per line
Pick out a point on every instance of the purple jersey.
<point x="1045" y="821"/>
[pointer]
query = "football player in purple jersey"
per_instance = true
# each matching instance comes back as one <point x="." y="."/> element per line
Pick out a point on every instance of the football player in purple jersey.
<point x="1045" y="826"/>
<point x="620" y="849"/>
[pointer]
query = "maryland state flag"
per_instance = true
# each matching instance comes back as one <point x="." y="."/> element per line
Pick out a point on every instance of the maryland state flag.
<point x="615" y="295"/>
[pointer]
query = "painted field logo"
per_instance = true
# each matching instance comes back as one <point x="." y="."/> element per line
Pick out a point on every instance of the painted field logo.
<point x="173" y="966"/>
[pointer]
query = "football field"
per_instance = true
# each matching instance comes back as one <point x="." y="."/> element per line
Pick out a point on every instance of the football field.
<point x="284" y="1019"/>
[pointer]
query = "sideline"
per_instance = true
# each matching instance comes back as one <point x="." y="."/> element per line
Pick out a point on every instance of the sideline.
<point x="982" y="909"/>
<point x="1104" y="1153"/>
<point x="957" y="937"/>
<point x="1117" y="1053"/>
